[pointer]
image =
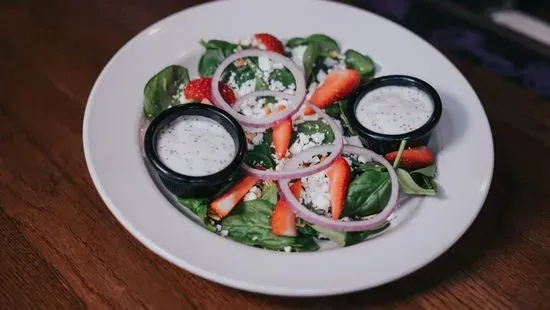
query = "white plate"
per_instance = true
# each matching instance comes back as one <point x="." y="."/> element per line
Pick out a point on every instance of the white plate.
<point x="465" y="156"/>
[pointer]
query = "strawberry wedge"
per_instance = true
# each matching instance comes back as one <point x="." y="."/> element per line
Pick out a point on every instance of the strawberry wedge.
<point x="413" y="158"/>
<point x="282" y="133"/>
<point x="338" y="84"/>
<point x="270" y="42"/>
<point x="339" y="174"/>
<point x="221" y="207"/>
<point x="283" y="220"/>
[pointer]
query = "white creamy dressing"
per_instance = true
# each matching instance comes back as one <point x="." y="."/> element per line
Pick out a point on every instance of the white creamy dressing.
<point x="394" y="109"/>
<point x="195" y="146"/>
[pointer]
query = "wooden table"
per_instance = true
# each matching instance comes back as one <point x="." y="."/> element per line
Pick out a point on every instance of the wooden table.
<point x="61" y="247"/>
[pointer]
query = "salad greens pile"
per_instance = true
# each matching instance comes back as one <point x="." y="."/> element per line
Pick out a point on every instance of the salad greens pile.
<point x="250" y="221"/>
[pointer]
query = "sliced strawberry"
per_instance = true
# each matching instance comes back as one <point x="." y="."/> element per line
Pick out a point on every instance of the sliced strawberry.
<point x="283" y="220"/>
<point x="337" y="85"/>
<point x="339" y="174"/>
<point x="282" y="133"/>
<point x="413" y="158"/>
<point x="201" y="88"/>
<point x="270" y="42"/>
<point x="221" y="207"/>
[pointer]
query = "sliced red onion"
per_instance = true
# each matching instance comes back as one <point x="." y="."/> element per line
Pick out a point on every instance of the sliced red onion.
<point x="334" y="149"/>
<point x="310" y="216"/>
<point x="297" y="98"/>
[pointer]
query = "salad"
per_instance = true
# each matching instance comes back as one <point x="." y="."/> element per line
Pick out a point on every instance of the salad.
<point x="306" y="178"/>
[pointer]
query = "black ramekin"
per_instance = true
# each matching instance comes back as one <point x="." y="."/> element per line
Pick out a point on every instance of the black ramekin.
<point x="384" y="143"/>
<point x="195" y="186"/>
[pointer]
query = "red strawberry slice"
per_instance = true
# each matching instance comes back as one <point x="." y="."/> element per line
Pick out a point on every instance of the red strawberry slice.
<point x="337" y="85"/>
<point x="270" y="42"/>
<point x="339" y="174"/>
<point x="283" y="220"/>
<point x="413" y="158"/>
<point x="201" y="88"/>
<point x="282" y="133"/>
<point x="221" y="207"/>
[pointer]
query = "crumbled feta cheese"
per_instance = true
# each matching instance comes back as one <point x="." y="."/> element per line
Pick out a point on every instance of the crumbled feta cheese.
<point x="254" y="238"/>
<point x="276" y="86"/>
<point x="257" y="138"/>
<point x="321" y="76"/>
<point x="361" y="159"/>
<point x="316" y="191"/>
<point x="330" y="62"/>
<point x="252" y="108"/>
<point x="318" y="137"/>
<point x="218" y="227"/>
<point x="231" y="82"/>
<point x="247" y="87"/>
<point x="298" y="55"/>
<point x="295" y="148"/>
<point x="179" y="97"/>
<point x="250" y="196"/>
<point x="287" y="249"/>
<point x="264" y="64"/>
<point x="224" y="233"/>
<point x="256" y="191"/>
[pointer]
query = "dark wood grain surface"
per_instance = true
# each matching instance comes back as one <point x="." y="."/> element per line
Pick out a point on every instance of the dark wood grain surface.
<point x="60" y="247"/>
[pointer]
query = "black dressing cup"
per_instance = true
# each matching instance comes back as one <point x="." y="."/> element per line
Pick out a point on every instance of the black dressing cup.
<point x="384" y="143"/>
<point x="195" y="186"/>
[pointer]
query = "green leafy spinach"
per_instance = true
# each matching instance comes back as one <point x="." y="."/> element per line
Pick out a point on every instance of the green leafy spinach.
<point x="199" y="206"/>
<point x="251" y="224"/>
<point x="216" y="51"/>
<point x="160" y="89"/>
<point x="363" y="64"/>
<point x="311" y="127"/>
<point x="367" y="194"/>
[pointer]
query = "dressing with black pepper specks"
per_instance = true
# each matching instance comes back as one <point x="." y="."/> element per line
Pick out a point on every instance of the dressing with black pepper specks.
<point x="195" y="146"/>
<point x="394" y="109"/>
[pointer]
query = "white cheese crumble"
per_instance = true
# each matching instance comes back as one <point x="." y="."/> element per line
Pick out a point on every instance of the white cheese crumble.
<point x="304" y="142"/>
<point x="264" y="63"/>
<point x="287" y="249"/>
<point x="276" y="86"/>
<point x="252" y="108"/>
<point x="316" y="192"/>
<point x="298" y="55"/>
<point x="321" y="76"/>
<point x="218" y="227"/>
<point x="224" y="233"/>
<point x="231" y="82"/>
<point x="311" y="89"/>
<point x="250" y="196"/>
<point x="330" y="62"/>
<point x="247" y="87"/>
<point x="257" y="138"/>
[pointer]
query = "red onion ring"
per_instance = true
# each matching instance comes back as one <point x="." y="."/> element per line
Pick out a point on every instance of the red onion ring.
<point x="310" y="216"/>
<point x="335" y="149"/>
<point x="298" y="96"/>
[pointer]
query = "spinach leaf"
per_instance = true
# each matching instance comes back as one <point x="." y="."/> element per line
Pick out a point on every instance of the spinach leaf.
<point x="367" y="194"/>
<point x="309" y="58"/>
<point x="338" y="237"/>
<point x="227" y="48"/>
<point x="425" y="187"/>
<point x="305" y="229"/>
<point x="260" y="155"/>
<point x="326" y="43"/>
<point x="216" y="51"/>
<point x="311" y="127"/>
<point x="252" y="64"/>
<point x="358" y="236"/>
<point x="252" y="226"/>
<point x="269" y="194"/>
<point x="282" y="75"/>
<point x="363" y="64"/>
<point x="294" y="42"/>
<point x="349" y="238"/>
<point x="243" y="74"/>
<point x="160" y="89"/>
<point x="199" y="207"/>
<point x="333" y="110"/>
